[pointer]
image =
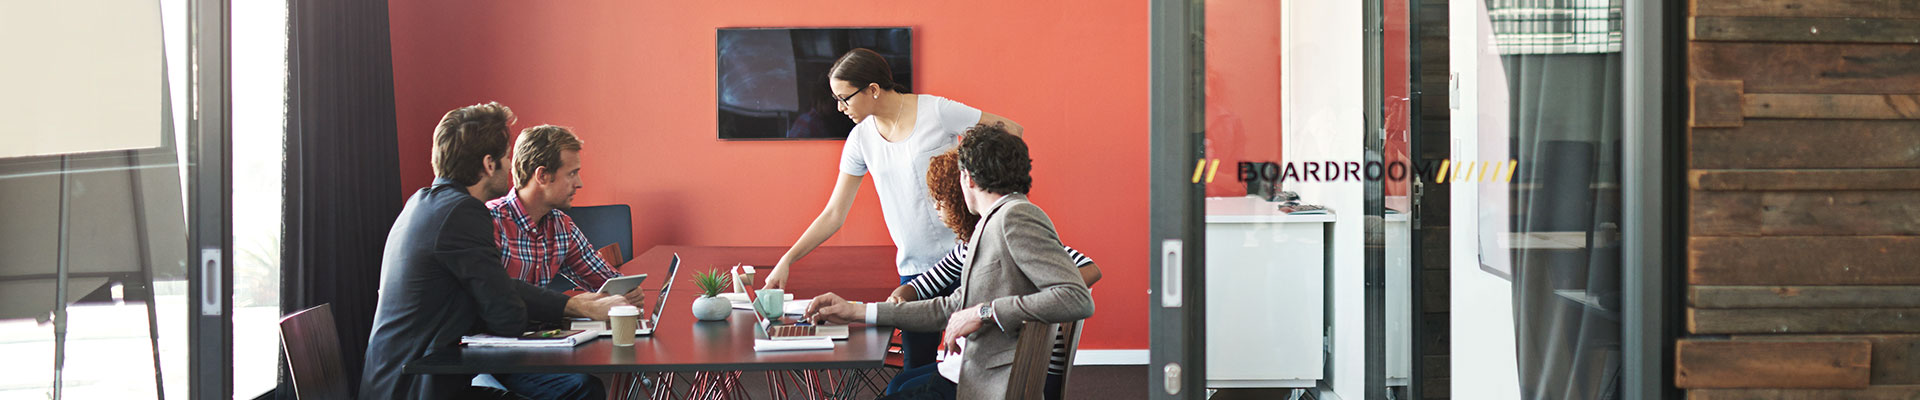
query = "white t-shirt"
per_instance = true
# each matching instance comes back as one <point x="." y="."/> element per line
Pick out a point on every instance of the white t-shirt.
<point x="899" y="172"/>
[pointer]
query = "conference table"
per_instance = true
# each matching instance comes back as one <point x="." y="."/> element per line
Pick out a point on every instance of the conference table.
<point x="708" y="355"/>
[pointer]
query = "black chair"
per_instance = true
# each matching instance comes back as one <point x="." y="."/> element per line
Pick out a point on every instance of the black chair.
<point x="603" y="225"/>
<point x="313" y="354"/>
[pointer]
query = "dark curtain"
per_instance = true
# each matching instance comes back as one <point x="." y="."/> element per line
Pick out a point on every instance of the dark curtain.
<point x="1566" y="128"/>
<point x="342" y="165"/>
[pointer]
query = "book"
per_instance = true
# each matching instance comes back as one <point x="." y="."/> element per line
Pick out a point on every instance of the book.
<point x="548" y="338"/>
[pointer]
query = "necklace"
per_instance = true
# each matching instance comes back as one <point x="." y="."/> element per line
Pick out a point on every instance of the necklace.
<point x="894" y="129"/>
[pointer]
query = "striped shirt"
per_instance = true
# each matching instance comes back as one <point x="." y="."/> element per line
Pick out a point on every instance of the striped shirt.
<point x="944" y="278"/>
<point x="553" y="248"/>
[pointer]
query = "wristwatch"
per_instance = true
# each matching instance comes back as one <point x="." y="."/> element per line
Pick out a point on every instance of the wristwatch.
<point x="986" y="312"/>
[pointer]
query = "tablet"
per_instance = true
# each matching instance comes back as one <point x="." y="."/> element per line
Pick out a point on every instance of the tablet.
<point x="622" y="285"/>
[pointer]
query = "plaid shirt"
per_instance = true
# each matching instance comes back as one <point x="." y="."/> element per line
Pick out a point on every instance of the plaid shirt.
<point x="553" y="248"/>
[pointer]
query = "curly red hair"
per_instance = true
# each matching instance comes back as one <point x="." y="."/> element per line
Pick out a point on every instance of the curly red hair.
<point x="943" y="182"/>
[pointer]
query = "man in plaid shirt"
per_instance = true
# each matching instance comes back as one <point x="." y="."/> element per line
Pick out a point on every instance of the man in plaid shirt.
<point x="539" y="243"/>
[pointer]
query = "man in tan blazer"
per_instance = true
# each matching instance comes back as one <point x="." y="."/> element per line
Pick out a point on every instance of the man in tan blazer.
<point x="1017" y="272"/>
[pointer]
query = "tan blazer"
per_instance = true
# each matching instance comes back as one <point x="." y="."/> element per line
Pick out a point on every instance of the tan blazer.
<point x="1018" y="264"/>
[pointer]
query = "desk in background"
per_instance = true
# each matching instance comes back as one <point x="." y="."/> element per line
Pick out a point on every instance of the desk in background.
<point x="1266" y="286"/>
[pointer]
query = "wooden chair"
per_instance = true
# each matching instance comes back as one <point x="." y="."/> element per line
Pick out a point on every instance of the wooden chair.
<point x="1028" y="377"/>
<point x="611" y="253"/>
<point x="313" y="354"/>
<point x="1072" y="333"/>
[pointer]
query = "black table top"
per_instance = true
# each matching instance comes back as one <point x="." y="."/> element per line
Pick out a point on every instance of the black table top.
<point x="681" y="344"/>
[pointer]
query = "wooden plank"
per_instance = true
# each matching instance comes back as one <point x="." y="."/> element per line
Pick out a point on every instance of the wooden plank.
<point x="1831" y="106"/>
<point x="1807" y="144"/>
<point x="1716" y="104"/>
<point x="1800" y="29"/>
<point x="1703" y="364"/>
<point x="1803" y="320"/>
<point x="1869" y="393"/>
<point x="1805" y="179"/>
<point x="1807" y="8"/>
<point x="1882" y="212"/>
<point x="1804" y="260"/>
<point x="1809" y="68"/>
<point x="1804" y="296"/>
<point x="1894" y="361"/>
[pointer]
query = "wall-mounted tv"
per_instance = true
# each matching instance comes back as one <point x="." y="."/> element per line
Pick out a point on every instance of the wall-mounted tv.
<point x="772" y="82"/>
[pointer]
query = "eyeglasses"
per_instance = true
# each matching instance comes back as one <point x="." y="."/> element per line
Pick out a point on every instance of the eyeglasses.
<point x="843" y="100"/>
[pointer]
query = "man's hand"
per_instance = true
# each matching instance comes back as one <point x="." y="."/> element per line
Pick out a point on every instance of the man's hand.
<point x="593" y="305"/>
<point x="840" y="314"/>
<point x="636" y="297"/>
<point x="822" y="301"/>
<point x="961" y="324"/>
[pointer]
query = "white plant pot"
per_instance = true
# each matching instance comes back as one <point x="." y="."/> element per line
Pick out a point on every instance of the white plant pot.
<point x="708" y="308"/>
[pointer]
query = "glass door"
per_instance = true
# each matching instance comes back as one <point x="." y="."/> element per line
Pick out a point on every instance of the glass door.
<point x="1282" y="199"/>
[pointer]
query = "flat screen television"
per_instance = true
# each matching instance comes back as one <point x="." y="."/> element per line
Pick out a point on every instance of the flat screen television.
<point x="772" y="82"/>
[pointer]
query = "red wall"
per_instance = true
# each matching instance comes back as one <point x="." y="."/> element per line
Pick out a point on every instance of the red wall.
<point x="636" y="80"/>
<point x="1243" y="88"/>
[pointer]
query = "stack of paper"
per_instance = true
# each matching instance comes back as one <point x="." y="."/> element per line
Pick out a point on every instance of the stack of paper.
<point x="788" y="345"/>
<point x="791" y="307"/>
<point x="530" y="339"/>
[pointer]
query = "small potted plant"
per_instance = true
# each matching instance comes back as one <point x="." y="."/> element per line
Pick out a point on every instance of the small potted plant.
<point x="710" y="306"/>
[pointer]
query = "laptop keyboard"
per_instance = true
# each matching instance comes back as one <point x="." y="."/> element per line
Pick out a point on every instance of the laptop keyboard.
<point x="790" y="331"/>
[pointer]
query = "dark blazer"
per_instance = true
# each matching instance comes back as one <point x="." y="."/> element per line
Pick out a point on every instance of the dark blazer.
<point x="441" y="278"/>
<point x="1018" y="265"/>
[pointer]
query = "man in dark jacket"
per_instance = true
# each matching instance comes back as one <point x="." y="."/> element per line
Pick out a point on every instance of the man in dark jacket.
<point x="441" y="276"/>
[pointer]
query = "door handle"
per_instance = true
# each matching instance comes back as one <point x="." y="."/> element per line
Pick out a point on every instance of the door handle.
<point x="1170" y="273"/>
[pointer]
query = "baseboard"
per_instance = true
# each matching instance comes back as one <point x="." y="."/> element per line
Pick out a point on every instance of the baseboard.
<point x="1110" y="357"/>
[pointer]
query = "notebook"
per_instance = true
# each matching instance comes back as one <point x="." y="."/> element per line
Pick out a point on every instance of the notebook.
<point x="552" y="338"/>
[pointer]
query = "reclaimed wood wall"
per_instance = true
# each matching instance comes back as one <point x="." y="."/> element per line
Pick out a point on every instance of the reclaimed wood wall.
<point x="1804" y="164"/>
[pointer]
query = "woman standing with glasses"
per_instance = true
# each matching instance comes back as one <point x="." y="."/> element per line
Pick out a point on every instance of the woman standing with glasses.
<point x="896" y="133"/>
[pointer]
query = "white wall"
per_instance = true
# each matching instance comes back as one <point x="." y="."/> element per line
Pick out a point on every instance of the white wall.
<point x="1321" y="116"/>
<point x="1482" y="329"/>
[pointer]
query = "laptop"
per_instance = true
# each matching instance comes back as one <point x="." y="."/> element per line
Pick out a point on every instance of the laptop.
<point x="659" y="307"/>
<point x="782" y="330"/>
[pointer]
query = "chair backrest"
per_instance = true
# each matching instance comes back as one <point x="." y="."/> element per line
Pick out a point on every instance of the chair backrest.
<point x="1028" y="376"/>
<point x="604" y="225"/>
<point x="1072" y="333"/>
<point x="313" y="354"/>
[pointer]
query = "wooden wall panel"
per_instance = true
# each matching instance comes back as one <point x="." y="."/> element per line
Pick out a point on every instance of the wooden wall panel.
<point x="1803" y="320"/>
<point x="1807" y="144"/>
<point x="1716" y="104"/>
<point x="1894" y="361"/>
<point x="1804" y="296"/>
<point x="1804" y="260"/>
<point x="1804" y="179"/>
<point x="1869" y="393"/>
<point x="1831" y="106"/>
<point x="1809" y="68"/>
<point x="1804" y="215"/>
<point x="1886" y="212"/>
<point x="1798" y="29"/>
<point x="1808" y="8"/>
<point x="1772" y="364"/>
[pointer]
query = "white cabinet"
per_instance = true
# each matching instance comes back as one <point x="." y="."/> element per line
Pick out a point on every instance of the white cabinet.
<point x="1266" y="286"/>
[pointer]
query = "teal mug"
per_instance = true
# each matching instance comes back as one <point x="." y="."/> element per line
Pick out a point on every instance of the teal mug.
<point x="770" y="303"/>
